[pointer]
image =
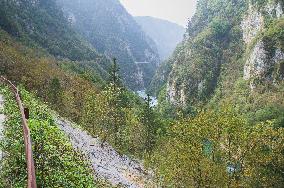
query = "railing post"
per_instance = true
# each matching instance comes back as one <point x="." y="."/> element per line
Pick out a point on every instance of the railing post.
<point x="27" y="113"/>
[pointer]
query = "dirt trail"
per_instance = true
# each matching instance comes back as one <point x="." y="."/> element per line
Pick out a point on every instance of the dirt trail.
<point x="107" y="163"/>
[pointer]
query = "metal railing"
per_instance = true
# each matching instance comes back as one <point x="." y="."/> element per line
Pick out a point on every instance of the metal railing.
<point x="26" y="134"/>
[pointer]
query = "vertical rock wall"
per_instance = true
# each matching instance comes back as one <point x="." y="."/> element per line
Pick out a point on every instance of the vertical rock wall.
<point x="260" y="62"/>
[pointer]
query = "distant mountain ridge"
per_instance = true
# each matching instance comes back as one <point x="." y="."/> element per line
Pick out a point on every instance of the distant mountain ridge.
<point x="81" y="31"/>
<point x="166" y="34"/>
<point x="113" y="32"/>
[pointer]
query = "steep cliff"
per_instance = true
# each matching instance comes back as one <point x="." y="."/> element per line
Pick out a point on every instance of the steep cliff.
<point x="212" y="40"/>
<point x="226" y="41"/>
<point x="263" y="35"/>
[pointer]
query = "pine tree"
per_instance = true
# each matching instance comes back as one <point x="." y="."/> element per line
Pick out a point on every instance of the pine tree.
<point x="148" y="119"/>
<point x="114" y="78"/>
<point x="115" y="91"/>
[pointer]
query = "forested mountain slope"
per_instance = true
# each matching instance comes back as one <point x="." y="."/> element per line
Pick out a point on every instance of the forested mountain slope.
<point x="226" y="42"/>
<point x="41" y="24"/>
<point x="106" y="111"/>
<point x="165" y="34"/>
<point x="92" y="32"/>
<point x="220" y="117"/>
<point x="113" y="32"/>
<point x="82" y="91"/>
<point x="224" y="84"/>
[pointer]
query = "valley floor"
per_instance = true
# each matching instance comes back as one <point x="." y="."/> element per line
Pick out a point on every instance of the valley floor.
<point x="106" y="162"/>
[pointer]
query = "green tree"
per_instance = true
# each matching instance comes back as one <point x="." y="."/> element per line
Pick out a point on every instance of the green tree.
<point x="55" y="92"/>
<point x="148" y="119"/>
<point x="114" y="78"/>
<point x="221" y="148"/>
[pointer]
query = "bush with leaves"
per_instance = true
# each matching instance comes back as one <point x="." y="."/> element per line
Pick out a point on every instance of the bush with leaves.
<point x="220" y="148"/>
<point x="57" y="163"/>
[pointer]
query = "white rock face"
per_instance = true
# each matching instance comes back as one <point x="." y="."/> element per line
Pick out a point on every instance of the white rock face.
<point x="279" y="10"/>
<point x="2" y="120"/>
<point x="274" y="9"/>
<point x="252" y="24"/>
<point x="171" y="92"/>
<point x="201" y="86"/>
<point x="106" y="162"/>
<point x="175" y="95"/>
<point x="182" y="96"/>
<point x="257" y="63"/>
<point x="278" y="58"/>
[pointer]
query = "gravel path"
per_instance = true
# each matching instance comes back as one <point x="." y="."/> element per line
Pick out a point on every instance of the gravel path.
<point x="2" y="119"/>
<point x="107" y="163"/>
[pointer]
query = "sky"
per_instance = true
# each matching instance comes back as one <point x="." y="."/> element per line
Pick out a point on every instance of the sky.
<point x="177" y="11"/>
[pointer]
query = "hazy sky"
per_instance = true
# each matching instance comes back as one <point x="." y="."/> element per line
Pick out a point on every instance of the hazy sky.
<point x="177" y="11"/>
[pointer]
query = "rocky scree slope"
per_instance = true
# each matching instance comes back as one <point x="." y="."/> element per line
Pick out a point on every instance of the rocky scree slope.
<point x="106" y="162"/>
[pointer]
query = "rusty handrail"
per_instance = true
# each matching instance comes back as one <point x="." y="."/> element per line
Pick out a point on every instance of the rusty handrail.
<point x="26" y="132"/>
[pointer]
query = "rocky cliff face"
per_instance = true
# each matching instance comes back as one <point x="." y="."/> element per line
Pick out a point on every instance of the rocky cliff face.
<point x="262" y="57"/>
<point x="220" y="34"/>
<point x="196" y="64"/>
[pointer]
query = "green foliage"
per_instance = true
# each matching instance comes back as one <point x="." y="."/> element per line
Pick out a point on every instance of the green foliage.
<point x="161" y="76"/>
<point x="226" y="135"/>
<point x="219" y="27"/>
<point x="42" y="25"/>
<point x="149" y="120"/>
<point x="57" y="163"/>
<point x="103" y="109"/>
<point x="119" y="117"/>
<point x="275" y="34"/>
<point x="112" y="31"/>
<point x="63" y="90"/>
<point x="238" y="140"/>
<point x="258" y="2"/>
<point x="114" y="78"/>
<point x="221" y="149"/>
<point x="212" y="41"/>
<point x="94" y="72"/>
<point x="165" y="108"/>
